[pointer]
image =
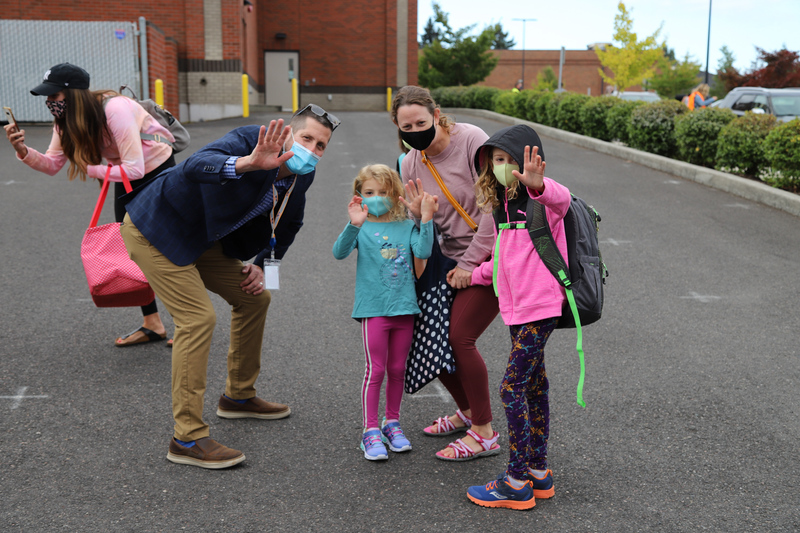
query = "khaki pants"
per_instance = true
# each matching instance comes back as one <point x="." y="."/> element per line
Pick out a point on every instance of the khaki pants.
<point x="182" y="289"/>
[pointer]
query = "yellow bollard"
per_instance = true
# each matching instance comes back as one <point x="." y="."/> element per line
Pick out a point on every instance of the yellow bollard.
<point x="159" y="92"/>
<point x="388" y="99"/>
<point x="295" y="96"/>
<point x="245" y="97"/>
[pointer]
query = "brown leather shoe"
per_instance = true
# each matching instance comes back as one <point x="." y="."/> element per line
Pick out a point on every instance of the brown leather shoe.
<point x="206" y="453"/>
<point x="254" y="408"/>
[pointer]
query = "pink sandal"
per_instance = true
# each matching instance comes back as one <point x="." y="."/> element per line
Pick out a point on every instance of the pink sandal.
<point x="444" y="427"/>
<point x="464" y="453"/>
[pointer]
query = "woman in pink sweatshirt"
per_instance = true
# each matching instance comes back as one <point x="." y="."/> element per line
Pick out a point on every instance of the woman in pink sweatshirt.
<point x="90" y="126"/>
<point x="530" y="303"/>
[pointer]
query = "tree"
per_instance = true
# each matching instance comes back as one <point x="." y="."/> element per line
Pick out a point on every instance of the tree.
<point x="781" y="69"/>
<point x="674" y="77"/>
<point x="456" y="58"/>
<point x="633" y="60"/>
<point x="725" y="69"/>
<point x="546" y="79"/>
<point x="431" y="34"/>
<point x="501" y="40"/>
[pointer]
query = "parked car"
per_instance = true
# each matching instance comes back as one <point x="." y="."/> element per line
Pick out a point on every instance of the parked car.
<point x="783" y="103"/>
<point x="637" y="95"/>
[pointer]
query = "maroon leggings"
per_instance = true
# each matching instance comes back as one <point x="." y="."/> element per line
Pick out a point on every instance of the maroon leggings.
<point x="474" y="308"/>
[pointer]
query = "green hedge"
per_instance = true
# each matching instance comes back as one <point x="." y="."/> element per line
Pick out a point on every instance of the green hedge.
<point x="739" y="145"/>
<point x="593" y="117"/>
<point x="696" y="134"/>
<point x="751" y="145"/>
<point x="782" y="150"/>
<point x="568" y="115"/>
<point x="619" y="117"/>
<point x="652" y="127"/>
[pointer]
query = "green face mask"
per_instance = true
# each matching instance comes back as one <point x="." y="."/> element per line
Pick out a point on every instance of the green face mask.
<point x="504" y="175"/>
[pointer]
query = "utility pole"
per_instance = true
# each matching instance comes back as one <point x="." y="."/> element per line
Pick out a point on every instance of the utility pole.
<point x="708" y="42"/>
<point x="523" y="47"/>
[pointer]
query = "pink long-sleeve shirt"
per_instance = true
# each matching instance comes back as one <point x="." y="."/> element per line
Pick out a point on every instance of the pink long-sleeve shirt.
<point x="456" y="167"/>
<point x="125" y="119"/>
<point x="526" y="290"/>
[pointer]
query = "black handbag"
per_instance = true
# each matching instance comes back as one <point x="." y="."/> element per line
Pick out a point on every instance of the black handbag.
<point x="431" y="352"/>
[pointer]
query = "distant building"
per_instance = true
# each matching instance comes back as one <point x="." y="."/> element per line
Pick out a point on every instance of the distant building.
<point x="344" y="53"/>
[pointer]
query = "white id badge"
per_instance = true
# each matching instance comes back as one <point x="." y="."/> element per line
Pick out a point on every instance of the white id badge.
<point x="271" y="278"/>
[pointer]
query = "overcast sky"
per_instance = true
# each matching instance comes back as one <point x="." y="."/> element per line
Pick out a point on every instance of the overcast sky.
<point x="741" y="25"/>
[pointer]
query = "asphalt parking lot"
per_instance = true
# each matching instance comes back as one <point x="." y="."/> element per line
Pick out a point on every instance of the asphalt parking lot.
<point x="691" y="386"/>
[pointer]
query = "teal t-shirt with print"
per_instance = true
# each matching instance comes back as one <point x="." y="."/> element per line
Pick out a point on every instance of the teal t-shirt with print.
<point x="385" y="265"/>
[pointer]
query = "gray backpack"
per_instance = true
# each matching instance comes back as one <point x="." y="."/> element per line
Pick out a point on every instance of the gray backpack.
<point x="586" y="274"/>
<point x="165" y="118"/>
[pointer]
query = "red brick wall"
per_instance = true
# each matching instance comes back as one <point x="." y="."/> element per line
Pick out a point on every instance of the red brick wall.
<point x="580" y="70"/>
<point x="163" y="65"/>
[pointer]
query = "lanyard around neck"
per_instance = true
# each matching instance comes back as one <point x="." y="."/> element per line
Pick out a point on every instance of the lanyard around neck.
<point x="274" y="221"/>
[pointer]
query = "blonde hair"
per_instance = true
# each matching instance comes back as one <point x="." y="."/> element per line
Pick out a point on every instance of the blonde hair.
<point x="413" y="95"/>
<point x="703" y="89"/>
<point x="386" y="177"/>
<point x="487" y="184"/>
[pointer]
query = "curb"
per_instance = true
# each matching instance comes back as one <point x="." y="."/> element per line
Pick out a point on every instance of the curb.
<point x="751" y="190"/>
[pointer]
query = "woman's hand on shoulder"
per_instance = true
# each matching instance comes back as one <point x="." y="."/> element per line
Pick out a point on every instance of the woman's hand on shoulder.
<point x="357" y="211"/>
<point x="428" y="206"/>
<point x="413" y="199"/>
<point x="533" y="170"/>
<point x="16" y="137"/>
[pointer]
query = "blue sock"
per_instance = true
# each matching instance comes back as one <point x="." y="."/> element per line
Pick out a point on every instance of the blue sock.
<point x="240" y="402"/>
<point x="187" y="444"/>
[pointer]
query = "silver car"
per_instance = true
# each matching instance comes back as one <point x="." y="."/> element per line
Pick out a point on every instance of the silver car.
<point x="783" y="103"/>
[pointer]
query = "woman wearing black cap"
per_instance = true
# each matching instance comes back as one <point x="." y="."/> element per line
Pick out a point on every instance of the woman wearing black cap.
<point x="90" y="126"/>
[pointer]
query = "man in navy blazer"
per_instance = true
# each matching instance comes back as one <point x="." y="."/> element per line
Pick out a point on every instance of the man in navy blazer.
<point x="190" y="230"/>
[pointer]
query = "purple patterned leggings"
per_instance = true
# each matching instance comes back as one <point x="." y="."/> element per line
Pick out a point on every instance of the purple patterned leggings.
<point x="524" y="392"/>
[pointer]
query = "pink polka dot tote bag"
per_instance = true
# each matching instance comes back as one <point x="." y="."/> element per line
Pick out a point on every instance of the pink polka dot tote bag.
<point x="114" y="279"/>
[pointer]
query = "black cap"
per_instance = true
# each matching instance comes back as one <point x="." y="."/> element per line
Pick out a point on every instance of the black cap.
<point x="60" y="77"/>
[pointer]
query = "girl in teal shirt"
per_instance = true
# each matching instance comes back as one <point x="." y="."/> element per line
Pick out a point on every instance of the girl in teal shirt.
<point x="385" y="299"/>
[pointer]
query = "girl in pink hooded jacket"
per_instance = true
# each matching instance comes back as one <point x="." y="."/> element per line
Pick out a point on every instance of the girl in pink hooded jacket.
<point x="530" y="303"/>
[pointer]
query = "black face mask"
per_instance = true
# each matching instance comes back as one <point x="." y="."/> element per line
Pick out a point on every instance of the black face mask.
<point x="419" y="140"/>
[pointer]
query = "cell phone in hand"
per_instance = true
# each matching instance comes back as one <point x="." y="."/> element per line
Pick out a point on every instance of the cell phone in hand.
<point x="10" y="117"/>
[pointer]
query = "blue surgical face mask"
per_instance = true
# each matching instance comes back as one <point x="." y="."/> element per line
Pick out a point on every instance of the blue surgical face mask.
<point x="504" y="175"/>
<point x="378" y="205"/>
<point x="303" y="161"/>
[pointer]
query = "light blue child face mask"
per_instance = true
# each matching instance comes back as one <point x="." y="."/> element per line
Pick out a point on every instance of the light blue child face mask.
<point x="377" y="205"/>
<point x="303" y="161"/>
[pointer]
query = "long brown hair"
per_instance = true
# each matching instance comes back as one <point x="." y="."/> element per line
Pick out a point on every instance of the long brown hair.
<point x="83" y="129"/>
<point x="411" y="95"/>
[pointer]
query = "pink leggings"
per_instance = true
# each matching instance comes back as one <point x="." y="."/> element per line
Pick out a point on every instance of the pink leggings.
<point x="387" y="340"/>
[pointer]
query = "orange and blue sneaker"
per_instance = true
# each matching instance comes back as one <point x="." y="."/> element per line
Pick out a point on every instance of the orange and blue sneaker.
<point x="543" y="487"/>
<point x="500" y="493"/>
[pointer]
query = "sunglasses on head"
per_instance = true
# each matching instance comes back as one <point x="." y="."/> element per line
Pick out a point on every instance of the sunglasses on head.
<point x="317" y="110"/>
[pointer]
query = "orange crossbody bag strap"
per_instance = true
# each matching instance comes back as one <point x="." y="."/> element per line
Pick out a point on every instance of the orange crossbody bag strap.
<point x="457" y="206"/>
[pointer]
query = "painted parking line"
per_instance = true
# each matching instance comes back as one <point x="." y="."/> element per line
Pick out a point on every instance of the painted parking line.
<point x="17" y="399"/>
<point x="441" y="392"/>
<point x="614" y="242"/>
<point x="700" y="297"/>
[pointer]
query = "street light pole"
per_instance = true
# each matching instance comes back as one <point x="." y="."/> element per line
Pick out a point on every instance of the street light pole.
<point x="708" y="42"/>
<point x="523" y="48"/>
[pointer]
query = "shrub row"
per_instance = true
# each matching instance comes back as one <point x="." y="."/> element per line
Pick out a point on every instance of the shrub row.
<point x="750" y="145"/>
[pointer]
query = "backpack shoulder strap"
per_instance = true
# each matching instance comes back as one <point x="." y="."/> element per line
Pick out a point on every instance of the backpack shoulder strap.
<point x="543" y="242"/>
